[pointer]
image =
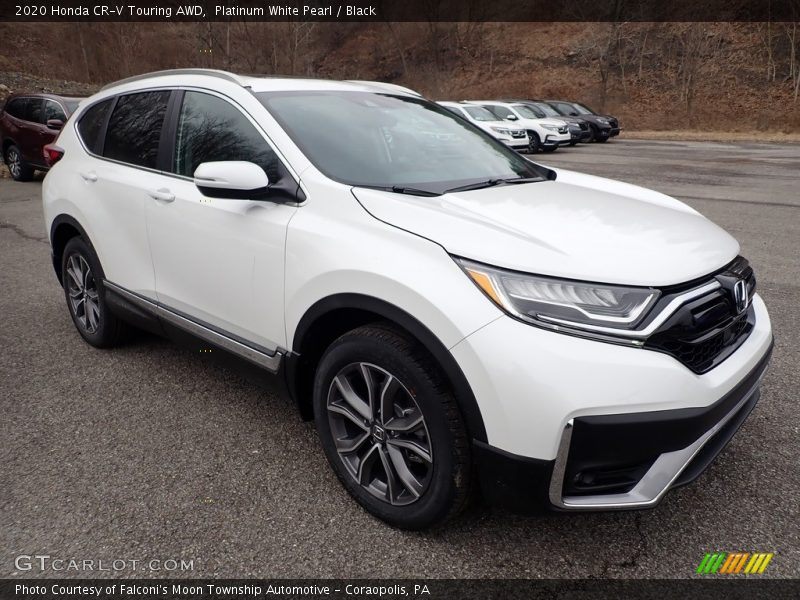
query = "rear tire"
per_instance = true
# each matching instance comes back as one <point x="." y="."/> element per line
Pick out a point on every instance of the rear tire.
<point x="82" y="280"/>
<point x="19" y="169"/>
<point x="390" y="428"/>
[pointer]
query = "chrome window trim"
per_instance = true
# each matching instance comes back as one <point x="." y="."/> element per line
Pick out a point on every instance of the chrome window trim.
<point x="184" y="88"/>
<point x="269" y="359"/>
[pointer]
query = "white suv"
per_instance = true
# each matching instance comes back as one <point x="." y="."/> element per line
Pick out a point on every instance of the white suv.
<point x="511" y="135"/>
<point x="452" y="315"/>
<point x="546" y="134"/>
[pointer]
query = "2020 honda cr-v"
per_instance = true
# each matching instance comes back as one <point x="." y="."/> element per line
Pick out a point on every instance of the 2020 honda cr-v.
<point x="451" y="314"/>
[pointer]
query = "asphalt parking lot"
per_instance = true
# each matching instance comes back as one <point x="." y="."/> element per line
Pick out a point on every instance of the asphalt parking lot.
<point x="153" y="451"/>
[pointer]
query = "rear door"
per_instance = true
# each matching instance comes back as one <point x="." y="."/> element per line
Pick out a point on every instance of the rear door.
<point x="31" y="130"/>
<point x="123" y="137"/>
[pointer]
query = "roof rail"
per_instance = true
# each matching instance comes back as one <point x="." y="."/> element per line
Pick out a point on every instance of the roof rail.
<point x="391" y="87"/>
<point x="210" y="72"/>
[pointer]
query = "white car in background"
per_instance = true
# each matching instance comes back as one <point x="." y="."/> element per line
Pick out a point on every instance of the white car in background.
<point x="512" y="135"/>
<point x="545" y="134"/>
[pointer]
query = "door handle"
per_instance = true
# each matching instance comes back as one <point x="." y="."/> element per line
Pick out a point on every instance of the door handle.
<point x="162" y="194"/>
<point x="89" y="177"/>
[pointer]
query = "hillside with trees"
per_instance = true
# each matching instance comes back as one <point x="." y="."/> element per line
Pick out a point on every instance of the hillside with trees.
<point x="711" y="76"/>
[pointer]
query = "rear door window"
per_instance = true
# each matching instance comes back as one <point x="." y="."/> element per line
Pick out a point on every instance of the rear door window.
<point x="90" y="125"/>
<point x="134" y="130"/>
<point x="32" y="110"/>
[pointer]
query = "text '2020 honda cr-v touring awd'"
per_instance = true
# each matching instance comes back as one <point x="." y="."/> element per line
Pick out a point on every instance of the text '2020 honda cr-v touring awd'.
<point x="451" y="315"/>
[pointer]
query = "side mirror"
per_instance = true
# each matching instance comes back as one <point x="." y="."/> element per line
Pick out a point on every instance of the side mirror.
<point x="511" y="118"/>
<point x="232" y="179"/>
<point x="56" y="124"/>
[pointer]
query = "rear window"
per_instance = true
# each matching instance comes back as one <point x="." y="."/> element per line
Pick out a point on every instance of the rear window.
<point x="91" y="124"/>
<point x="134" y="130"/>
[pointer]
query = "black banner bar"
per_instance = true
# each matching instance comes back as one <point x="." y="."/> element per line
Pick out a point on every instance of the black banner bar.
<point x="398" y="11"/>
<point x="709" y="587"/>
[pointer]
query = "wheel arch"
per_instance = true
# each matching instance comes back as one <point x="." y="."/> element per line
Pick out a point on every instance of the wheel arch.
<point x="62" y="230"/>
<point x="7" y="143"/>
<point x="333" y="316"/>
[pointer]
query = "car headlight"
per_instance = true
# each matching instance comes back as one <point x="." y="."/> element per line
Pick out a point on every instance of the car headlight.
<point x="551" y="127"/>
<point x="553" y="302"/>
<point x="501" y="131"/>
<point x="603" y="121"/>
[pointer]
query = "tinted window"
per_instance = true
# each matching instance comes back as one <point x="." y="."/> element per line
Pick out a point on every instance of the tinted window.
<point x="528" y="112"/>
<point x="91" y="124"/>
<point x="33" y="110"/>
<point x="500" y="111"/>
<point x="52" y="110"/>
<point x="211" y="129"/>
<point x="15" y="107"/>
<point x="134" y="130"/>
<point x="27" y="109"/>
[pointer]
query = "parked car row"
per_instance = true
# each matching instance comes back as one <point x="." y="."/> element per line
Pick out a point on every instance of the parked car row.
<point x="29" y="122"/>
<point x="534" y="125"/>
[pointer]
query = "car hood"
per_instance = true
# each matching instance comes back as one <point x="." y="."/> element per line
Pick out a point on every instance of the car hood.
<point x="503" y="124"/>
<point x="577" y="227"/>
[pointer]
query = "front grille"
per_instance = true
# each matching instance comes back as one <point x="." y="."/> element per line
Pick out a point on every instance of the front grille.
<point x="517" y="134"/>
<point x="613" y="122"/>
<point x="705" y="331"/>
<point x="584" y="126"/>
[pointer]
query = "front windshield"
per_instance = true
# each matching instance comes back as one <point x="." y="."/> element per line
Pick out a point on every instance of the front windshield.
<point x="582" y="110"/>
<point x="382" y="140"/>
<point x="548" y="110"/>
<point x="479" y="113"/>
<point x="526" y="112"/>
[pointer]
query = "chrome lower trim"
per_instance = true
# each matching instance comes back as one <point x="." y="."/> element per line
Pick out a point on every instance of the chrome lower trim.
<point x="651" y="487"/>
<point x="269" y="360"/>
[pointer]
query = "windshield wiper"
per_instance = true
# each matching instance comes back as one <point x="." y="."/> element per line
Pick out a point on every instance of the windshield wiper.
<point x="491" y="183"/>
<point x="401" y="189"/>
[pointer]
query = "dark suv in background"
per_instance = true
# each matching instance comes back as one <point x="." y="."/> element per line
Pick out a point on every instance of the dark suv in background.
<point x="27" y="124"/>
<point x="602" y="126"/>
<point x="578" y="128"/>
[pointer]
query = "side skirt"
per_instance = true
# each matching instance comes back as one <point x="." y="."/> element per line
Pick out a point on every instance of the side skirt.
<point x="152" y="316"/>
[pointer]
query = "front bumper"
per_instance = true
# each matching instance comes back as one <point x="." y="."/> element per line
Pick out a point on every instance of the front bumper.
<point x="555" y="139"/>
<point x="590" y="416"/>
<point x="515" y="143"/>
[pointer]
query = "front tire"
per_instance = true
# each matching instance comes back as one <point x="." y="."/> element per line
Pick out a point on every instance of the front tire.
<point x="19" y="169"/>
<point x="390" y="428"/>
<point x="535" y="143"/>
<point x="82" y="280"/>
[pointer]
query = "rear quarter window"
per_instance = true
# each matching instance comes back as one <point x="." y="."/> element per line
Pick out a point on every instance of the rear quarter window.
<point x="90" y="125"/>
<point x="15" y="107"/>
<point x="134" y="129"/>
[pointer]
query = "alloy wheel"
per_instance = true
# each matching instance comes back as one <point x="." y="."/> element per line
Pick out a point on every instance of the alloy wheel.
<point x="14" y="163"/>
<point x="83" y="296"/>
<point x="380" y="433"/>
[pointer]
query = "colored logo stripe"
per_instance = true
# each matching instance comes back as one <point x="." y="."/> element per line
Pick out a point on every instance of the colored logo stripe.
<point x="734" y="563"/>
